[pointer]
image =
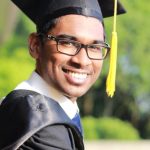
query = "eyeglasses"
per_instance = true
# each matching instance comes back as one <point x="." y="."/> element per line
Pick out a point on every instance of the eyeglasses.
<point x="70" y="47"/>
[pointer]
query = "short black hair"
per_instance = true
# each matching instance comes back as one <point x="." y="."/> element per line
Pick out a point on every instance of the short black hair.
<point x="46" y="26"/>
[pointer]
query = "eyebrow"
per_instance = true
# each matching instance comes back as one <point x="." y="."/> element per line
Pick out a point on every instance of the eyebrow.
<point x="70" y="37"/>
<point x="65" y="36"/>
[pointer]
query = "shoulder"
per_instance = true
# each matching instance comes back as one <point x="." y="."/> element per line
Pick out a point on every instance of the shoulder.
<point x="23" y="113"/>
<point x="25" y="104"/>
<point x="21" y="101"/>
<point x="26" y="100"/>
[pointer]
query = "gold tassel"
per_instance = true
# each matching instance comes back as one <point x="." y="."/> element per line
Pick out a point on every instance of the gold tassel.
<point x="110" y="84"/>
<point x="111" y="79"/>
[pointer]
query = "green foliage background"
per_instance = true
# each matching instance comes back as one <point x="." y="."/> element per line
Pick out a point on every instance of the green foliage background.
<point x="132" y="98"/>
<point x="108" y="128"/>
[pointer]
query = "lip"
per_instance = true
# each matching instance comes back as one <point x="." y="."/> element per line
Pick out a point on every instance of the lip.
<point x="79" y="71"/>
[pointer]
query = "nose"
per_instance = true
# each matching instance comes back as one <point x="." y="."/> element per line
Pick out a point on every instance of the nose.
<point x="81" y="58"/>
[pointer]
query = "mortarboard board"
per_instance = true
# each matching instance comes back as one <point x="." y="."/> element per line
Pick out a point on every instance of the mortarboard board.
<point x="42" y="11"/>
<point x="37" y="11"/>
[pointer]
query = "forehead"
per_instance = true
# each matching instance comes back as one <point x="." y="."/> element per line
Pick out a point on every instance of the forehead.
<point x="79" y="26"/>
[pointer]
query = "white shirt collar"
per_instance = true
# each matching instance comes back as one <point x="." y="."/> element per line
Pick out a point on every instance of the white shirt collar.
<point x="37" y="84"/>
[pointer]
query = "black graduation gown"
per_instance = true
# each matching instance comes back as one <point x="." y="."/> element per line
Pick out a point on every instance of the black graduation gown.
<point x="29" y="120"/>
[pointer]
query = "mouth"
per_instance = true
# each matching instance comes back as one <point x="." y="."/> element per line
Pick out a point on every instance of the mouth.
<point x="75" y="77"/>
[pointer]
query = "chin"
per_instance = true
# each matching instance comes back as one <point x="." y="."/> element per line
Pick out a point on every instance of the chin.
<point x="76" y="94"/>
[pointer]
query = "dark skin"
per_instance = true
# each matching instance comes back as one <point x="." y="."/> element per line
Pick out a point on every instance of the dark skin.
<point x="71" y="75"/>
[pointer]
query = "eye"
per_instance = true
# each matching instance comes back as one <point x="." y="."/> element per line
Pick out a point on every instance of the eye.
<point x="66" y="43"/>
<point x="95" y="47"/>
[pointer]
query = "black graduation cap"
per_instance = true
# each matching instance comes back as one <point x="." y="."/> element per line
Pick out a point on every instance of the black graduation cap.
<point x="38" y="10"/>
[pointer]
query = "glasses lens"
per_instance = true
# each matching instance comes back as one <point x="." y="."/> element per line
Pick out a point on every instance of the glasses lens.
<point x="68" y="47"/>
<point x="97" y="51"/>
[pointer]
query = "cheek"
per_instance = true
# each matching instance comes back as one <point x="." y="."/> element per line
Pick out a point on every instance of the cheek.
<point x="47" y="55"/>
<point x="44" y="61"/>
<point x="52" y="62"/>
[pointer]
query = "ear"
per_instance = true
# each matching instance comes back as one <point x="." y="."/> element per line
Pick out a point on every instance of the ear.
<point x="34" y="45"/>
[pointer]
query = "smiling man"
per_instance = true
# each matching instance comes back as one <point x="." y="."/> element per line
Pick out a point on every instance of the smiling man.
<point x="69" y="48"/>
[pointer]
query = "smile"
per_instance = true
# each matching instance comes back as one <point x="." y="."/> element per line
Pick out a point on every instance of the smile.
<point x="76" y="78"/>
<point x="80" y="76"/>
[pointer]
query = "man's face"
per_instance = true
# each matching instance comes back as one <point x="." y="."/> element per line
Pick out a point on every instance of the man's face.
<point x="71" y="75"/>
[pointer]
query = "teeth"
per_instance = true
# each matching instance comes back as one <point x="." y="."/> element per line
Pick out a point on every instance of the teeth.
<point x="78" y="75"/>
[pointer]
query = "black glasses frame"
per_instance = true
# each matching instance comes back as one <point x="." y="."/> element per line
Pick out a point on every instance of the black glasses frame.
<point x="57" y="39"/>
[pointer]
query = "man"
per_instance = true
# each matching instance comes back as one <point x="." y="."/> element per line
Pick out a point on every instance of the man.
<point x="69" y="48"/>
